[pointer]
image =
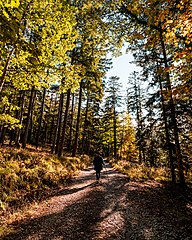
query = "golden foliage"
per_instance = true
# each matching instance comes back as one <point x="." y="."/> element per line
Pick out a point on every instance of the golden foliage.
<point x="137" y="171"/>
<point x="25" y="174"/>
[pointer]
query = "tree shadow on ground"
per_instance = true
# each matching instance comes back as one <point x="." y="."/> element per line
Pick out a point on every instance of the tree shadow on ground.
<point x="115" y="208"/>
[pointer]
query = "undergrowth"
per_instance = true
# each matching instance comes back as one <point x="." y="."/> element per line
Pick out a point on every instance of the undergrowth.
<point x="136" y="171"/>
<point x="27" y="175"/>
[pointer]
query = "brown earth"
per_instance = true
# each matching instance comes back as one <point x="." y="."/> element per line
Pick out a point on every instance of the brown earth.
<point x="114" y="208"/>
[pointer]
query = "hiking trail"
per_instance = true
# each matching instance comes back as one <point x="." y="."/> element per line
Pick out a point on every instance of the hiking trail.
<point x="114" y="208"/>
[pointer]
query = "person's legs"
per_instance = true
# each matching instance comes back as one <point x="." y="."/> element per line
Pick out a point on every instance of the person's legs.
<point x="97" y="174"/>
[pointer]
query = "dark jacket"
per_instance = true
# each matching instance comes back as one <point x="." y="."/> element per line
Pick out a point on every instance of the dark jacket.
<point x="98" y="163"/>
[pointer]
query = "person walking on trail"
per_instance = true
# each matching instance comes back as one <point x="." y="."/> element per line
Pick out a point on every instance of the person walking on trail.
<point x="98" y="165"/>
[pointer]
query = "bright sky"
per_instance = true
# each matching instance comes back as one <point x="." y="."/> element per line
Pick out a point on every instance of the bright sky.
<point x="122" y="68"/>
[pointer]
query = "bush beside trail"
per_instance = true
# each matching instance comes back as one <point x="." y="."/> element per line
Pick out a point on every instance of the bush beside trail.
<point x="27" y="175"/>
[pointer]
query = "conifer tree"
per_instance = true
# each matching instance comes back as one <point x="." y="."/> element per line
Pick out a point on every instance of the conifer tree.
<point x="112" y="102"/>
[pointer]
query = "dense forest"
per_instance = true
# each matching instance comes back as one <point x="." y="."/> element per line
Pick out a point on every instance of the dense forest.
<point x="54" y="93"/>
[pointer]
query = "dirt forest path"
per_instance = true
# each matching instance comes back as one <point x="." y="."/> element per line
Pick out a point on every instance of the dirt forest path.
<point x="116" y="208"/>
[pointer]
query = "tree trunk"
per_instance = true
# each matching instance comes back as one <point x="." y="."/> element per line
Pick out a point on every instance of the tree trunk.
<point x="115" y="134"/>
<point x="138" y="114"/>
<point x="2" y="135"/>
<point x="59" y="116"/>
<point x="122" y="137"/>
<point x="29" y="114"/>
<point x="60" y="150"/>
<point x="18" y="132"/>
<point x="85" y="129"/>
<point x="53" y="119"/>
<point x="173" y="118"/>
<point x="171" y="159"/>
<point x="78" y="121"/>
<point x="71" y="124"/>
<point x="30" y="134"/>
<point x="40" y="118"/>
<point x="45" y="134"/>
<point x="60" y="123"/>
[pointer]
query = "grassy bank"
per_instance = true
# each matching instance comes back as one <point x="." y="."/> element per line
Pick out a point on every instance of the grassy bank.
<point x="27" y="175"/>
<point x="137" y="171"/>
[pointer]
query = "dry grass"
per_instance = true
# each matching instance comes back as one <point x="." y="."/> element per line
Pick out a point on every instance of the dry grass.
<point x="137" y="171"/>
<point x="26" y="174"/>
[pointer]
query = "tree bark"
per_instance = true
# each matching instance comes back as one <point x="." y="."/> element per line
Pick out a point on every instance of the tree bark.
<point x="18" y="133"/>
<point x="85" y="129"/>
<point x="60" y="150"/>
<point x="60" y="123"/>
<point x="29" y="114"/>
<point x="2" y="134"/>
<point x="59" y="116"/>
<point x="171" y="159"/>
<point x="31" y="140"/>
<point x="40" y="118"/>
<point x="71" y="124"/>
<point x="78" y="121"/>
<point x="53" y="119"/>
<point x="115" y="132"/>
<point x="173" y="117"/>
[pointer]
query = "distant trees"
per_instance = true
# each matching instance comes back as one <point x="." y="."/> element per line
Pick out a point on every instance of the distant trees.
<point x="112" y="102"/>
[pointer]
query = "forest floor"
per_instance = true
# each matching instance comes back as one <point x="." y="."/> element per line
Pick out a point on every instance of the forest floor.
<point x="114" y="208"/>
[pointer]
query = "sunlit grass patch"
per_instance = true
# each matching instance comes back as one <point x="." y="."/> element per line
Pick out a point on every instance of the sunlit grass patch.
<point x="25" y="175"/>
<point x="137" y="171"/>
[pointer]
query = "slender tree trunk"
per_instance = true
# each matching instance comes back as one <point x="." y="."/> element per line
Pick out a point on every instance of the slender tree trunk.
<point x="138" y="119"/>
<point x="115" y="133"/>
<point x="12" y="132"/>
<point x="171" y="160"/>
<point x="29" y="114"/>
<point x="52" y="121"/>
<point x="60" y="150"/>
<point x="31" y="140"/>
<point x="45" y="135"/>
<point x="18" y="112"/>
<point x="85" y="129"/>
<point x="18" y="133"/>
<point x="40" y="118"/>
<point x="3" y="132"/>
<point x="173" y="118"/>
<point x="53" y="150"/>
<point x="141" y="125"/>
<point x="71" y="124"/>
<point x="60" y="123"/>
<point x="122" y="136"/>
<point x="78" y="121"/>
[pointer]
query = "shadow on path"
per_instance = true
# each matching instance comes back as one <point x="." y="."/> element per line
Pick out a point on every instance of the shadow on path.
<point x="112" y="209"/>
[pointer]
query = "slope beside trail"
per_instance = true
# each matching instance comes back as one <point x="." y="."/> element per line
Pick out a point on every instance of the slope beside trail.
<point x="115" y="208"/>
